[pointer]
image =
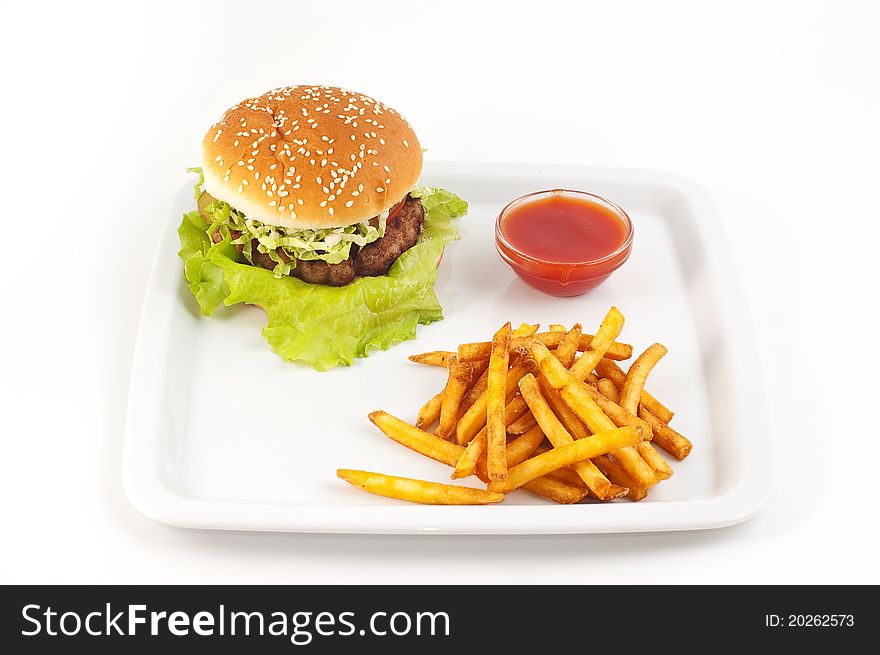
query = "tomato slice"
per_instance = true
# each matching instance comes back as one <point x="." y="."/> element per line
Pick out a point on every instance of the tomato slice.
<point x="396" y="208"/>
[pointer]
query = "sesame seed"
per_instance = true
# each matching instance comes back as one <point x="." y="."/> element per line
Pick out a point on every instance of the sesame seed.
<point x="379" y="189"/>
<point x="349" y="203"/>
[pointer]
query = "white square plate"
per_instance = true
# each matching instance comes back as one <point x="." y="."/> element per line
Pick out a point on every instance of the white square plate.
<point x="222" y="434"/>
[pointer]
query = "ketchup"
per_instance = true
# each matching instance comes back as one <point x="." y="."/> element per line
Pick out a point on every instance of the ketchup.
<point x="563" y="242"/>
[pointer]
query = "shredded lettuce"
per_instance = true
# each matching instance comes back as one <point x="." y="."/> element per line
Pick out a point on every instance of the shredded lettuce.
<point x="324" y="326"/>
<point x="333" y="245"/>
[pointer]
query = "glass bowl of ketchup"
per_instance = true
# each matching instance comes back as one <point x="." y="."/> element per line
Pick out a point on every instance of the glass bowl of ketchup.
<point x="563" y="242"/>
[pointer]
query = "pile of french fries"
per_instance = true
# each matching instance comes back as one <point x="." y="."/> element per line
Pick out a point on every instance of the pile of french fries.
<point x="526" y="411"/>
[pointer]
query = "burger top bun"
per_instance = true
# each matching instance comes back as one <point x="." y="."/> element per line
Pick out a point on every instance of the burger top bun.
<point x="311" y="157"/>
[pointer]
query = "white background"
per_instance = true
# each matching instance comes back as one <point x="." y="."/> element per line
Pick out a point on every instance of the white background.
<point x="772" y="106"/>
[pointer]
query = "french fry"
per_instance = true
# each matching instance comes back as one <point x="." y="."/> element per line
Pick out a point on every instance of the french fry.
<point x="472" y="459"/>
<point x="634" y="384"/>
<point x="557" y="490"/>
<point x="608" y="331"/>
<point x="516" y="409"/>
<point x="578" y="430"/>
<point x="568" y="476"/>
<point x="653" y="459"/>
<point x="433" y="358"/>
<point x="576" y="451"/>
<point x="630" y="395"/>
<point x="449" y="453"/>
<point x="468" y="352"/>
<point x="473" y="420"/>
<point x="470" y="456"/>
<point x="496" y="399"/>
<point x="556" y="327"/>
<point x="568" y="418"/>
<point x="618" y="415"/>
<point x="616" y="491"/>
<point x="429" y="445"/>
<point x="577" y="396"/>
<point x="467" y="463"/>
<point x="664" y="436"/>
<point x="568" y="347"/>
<point x="578" y="399"/>
<point x="609" y="369"/>
<point x="601" y="410"/>
<point x="554" y="370"/>
<point x="417" y="491"/>
<point x="481" y="370"/>
<point x="571" y="478"/>
<point x="460" y="375"/>
<point x="606" y="388"/>
<point x="430" y="412"/>
<point x="525" y="330"/>
<point x="478" y="388"/>
<point x="525" y="423"/>
<point x="524" y="446"/>
<point x="619" y="476"/>
<point x="559" y="436"/>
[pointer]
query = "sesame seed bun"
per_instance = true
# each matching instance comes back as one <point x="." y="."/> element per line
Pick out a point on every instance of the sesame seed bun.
<point x="311" y="157"/>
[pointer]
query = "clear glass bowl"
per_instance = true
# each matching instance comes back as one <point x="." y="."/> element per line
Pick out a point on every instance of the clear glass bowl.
<point x="570" y="278"/>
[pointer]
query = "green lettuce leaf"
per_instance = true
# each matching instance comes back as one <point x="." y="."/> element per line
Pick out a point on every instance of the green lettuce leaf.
<point x="440" y="202"/>
<point x="319" y="325"/>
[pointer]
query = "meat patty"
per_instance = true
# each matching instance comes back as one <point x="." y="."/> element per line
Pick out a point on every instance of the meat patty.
<point x="401" y="234"/>
<point x="374" y="259"/>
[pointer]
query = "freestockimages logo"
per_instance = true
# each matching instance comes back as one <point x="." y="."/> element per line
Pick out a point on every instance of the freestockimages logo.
<point x="299" y="627"/>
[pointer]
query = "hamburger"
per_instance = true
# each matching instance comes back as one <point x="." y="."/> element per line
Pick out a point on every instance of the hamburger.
<point x="309" y="206"/>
